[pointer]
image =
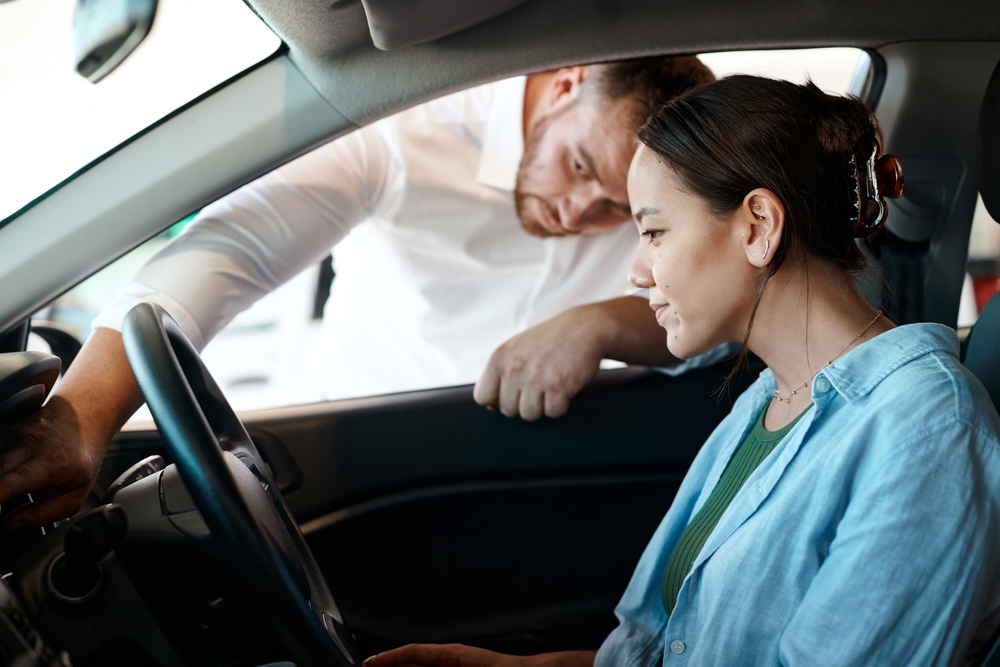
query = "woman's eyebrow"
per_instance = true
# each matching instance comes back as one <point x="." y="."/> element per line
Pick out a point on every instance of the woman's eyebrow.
<point x="644" y="211"/>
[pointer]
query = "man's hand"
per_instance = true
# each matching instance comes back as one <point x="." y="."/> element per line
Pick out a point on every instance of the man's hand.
<point x="539" y="371"/>
<point x="46" y="454"/>
<point x="55" y="453"/>
<point x="458" y="655"/>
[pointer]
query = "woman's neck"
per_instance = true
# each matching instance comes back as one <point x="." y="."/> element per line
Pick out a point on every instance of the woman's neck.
<point x="809" y="314"/>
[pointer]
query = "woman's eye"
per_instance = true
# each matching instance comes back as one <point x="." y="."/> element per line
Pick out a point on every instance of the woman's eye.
<point x="652" y="234"/>
<point x="579" y="168"/>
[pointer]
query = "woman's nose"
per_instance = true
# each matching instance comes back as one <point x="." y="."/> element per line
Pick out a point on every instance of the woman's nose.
<point x="639" y="273"/>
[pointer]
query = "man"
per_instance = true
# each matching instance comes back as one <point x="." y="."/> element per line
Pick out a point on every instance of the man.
<point x="454" y="195"/>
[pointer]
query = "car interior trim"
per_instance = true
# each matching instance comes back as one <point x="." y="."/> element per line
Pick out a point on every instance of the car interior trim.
<point x="447" y="490"/>
<point x="333" y="47"/>
<point x="928" y="113"/>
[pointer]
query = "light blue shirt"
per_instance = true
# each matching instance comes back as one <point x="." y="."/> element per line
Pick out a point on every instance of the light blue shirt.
<point x="869" y="536"/>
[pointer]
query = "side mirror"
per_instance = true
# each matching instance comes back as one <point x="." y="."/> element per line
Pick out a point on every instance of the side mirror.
<point x="105" y="32"/>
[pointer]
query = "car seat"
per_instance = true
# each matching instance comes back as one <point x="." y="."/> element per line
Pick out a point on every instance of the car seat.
<point x="981" y="353"/>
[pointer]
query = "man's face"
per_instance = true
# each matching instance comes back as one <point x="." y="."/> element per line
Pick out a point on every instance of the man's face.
<point x="573" y="176"/>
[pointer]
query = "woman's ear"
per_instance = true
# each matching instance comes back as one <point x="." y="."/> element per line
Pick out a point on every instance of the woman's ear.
<point x="762" y="220"/>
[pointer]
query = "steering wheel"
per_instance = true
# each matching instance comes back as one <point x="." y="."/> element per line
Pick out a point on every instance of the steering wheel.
<point x="260" y="543"/>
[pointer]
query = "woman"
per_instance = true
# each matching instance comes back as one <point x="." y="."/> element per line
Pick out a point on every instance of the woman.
<point x="847" y="511"/>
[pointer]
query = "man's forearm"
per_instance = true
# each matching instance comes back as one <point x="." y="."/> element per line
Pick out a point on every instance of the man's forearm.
<point x="100" y="386"/>
<point x="630" y="332"/>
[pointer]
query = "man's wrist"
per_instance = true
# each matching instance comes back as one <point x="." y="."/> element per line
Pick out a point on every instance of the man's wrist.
<point x="600" y="327"/>
<point x="624" y="329"/>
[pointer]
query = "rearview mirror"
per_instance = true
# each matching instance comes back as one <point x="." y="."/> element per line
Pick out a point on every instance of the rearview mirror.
<point x="105" y="32"/>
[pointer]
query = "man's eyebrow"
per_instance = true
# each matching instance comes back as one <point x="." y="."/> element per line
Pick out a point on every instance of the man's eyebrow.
<point x="644" y="211"/>
<point x="590" y="163"/>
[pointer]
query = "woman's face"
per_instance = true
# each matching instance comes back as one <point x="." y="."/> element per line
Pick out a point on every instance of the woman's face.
<point x="694" y="263"/>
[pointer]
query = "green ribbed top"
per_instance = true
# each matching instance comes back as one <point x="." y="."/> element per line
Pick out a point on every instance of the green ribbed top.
<point x="756" y="446"/>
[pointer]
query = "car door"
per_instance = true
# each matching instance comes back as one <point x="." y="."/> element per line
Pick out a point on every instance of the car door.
<point x="436" y="520"/>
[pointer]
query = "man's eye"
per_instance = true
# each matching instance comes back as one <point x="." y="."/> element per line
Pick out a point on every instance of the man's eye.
<point x="579" y="168"/>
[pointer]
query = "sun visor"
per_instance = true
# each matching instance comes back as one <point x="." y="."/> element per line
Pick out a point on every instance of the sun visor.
<point x="988" y="147"/>
<point x="398" y="23"/>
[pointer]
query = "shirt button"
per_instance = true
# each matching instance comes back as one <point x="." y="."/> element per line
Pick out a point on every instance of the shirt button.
<point x="822" y="385"/>
<point x="677" y="647"/>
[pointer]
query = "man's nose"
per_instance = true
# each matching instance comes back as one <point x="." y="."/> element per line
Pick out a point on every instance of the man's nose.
<point x="570" y="212"/>
<point x="639" y="272"/>
<point x="575" y="206"/>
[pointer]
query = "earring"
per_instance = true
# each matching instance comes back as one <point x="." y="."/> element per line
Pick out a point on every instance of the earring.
<point x="755" y="255"/>
<point x="767" y="246"/>
<point x="757" y="207"/>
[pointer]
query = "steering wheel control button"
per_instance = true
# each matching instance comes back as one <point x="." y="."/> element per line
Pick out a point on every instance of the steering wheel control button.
<point x="677" y="647"/>
<point x="144" y="468"/>
<point x="174" y="496"/>
<point x="822" y="385"/>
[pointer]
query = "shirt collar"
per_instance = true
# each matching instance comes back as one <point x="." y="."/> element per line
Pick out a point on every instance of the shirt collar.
<point x="858" y="372"/>
<point x="503" y="135"/>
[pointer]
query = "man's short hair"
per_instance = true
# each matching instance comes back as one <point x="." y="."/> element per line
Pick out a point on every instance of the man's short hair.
<point x="651" y="81"/>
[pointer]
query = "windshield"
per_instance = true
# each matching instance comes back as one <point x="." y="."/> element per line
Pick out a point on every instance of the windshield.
<point x="53" y="121"/>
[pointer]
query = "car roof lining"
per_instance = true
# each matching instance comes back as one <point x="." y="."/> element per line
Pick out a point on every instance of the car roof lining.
<point x="331" y="43"/>
<point x="394" y="24"/>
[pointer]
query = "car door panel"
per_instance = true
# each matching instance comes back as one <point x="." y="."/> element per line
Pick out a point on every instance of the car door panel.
<point x="434" y="519"/>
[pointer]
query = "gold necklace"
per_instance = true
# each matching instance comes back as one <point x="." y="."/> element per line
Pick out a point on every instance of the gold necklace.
<point x="835" y="357"/>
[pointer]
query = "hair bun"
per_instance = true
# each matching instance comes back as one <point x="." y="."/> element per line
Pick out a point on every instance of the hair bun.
<point x="889" y="173"/>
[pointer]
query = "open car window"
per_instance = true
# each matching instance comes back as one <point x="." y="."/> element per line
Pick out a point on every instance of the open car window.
<point x="266" y="357"/>
<point x="53" y="122"/>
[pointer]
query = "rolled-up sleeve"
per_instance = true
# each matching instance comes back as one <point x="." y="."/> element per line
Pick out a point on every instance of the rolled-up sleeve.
<point x="250" y="242"/>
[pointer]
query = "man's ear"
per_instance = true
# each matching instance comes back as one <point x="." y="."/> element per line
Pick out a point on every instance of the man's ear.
<point x="565" y="87"/>
<point x="762" y="220"/>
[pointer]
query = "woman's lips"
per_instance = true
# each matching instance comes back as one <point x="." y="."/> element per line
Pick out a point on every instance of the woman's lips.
<point x="659" y="308"/>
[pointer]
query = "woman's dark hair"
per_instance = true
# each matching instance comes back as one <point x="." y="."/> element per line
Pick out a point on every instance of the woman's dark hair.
<point x="727" y="138"/>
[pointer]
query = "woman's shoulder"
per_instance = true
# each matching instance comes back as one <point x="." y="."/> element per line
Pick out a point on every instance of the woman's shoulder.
<point x="912" y="382"/>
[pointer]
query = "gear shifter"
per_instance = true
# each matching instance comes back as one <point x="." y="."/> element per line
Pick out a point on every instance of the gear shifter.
<point x="75" y="575"/>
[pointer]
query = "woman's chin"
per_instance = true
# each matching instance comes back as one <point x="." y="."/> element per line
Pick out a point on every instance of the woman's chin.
<point x="682" y="348"/>
<point x="677" y="346"/>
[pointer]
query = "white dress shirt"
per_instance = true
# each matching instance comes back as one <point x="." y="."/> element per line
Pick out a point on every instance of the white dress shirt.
<point x="433" y="268"/>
